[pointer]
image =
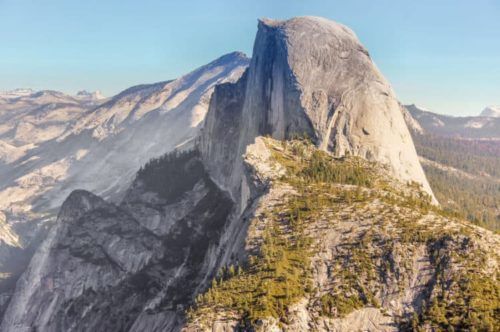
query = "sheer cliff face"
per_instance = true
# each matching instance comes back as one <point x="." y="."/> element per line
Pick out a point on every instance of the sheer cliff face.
<point x="137" y="265"/>
<point x="52" y="144"/>
<point x="310" y="75"/>
<point x="131" y="267"/>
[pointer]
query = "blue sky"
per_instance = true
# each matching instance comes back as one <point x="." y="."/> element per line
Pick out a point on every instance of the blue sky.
<point x="443" y="55"/>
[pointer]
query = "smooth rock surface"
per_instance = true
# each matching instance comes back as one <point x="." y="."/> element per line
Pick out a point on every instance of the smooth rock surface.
<point x="309" y="75"/>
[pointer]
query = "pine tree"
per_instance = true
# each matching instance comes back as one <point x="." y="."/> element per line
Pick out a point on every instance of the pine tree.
<point x="232" y="271"/>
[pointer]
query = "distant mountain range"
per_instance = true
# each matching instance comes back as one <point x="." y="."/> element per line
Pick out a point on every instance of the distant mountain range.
<point x="491" y="111"/>
<point x="280" y="193"/>
<point x="485" y="126"/>
<point x="461" y="159"/>
<point x="52" y="143"/>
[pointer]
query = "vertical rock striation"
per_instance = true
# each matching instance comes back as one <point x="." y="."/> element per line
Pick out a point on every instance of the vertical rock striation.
<point x="132" y="267"/>
<point x="309" y="75"/>
<point x="137" y="266"/>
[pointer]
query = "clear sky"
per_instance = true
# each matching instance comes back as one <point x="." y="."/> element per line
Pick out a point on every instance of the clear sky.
<point x="443" y="55"/>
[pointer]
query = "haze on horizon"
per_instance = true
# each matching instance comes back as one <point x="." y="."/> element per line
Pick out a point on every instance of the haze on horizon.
<point x="444" y="56"/>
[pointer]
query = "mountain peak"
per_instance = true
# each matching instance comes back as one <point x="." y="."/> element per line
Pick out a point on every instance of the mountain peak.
<point x="491" y="111"/>
<point x="311" y="75"/>
<point x="232" y="55"/>
<point x="308" y="23"/>
<point x="84" y="94"/>
<point x="21" y="92"/>
<point x="78" y="203"/>
<point x="233" y="58"/>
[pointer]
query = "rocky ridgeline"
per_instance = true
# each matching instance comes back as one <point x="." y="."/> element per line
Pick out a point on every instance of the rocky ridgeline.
<point x="270" y="233"/>
<point x="128" y="267"/>
<point x="52" y="144"/>
<point x="339" y="245"/>
<point x="308" y="75"/>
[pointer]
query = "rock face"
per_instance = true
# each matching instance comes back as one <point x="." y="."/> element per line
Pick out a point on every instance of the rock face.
<point x="378" y="259"/>
<point x="128" y="267"/>
<point x="28" y="120"/>
<point x="310" y="75"/>
<point x="364" y="247"/>
<point x="52" y="144"/>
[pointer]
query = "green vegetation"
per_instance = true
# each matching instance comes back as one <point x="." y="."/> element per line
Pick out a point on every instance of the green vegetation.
<point x="307" y="165"/>
<point x="180" y="170"/>
<point x="472" y="156"/>
<point x="463" y="301"/>
<point x="321" y="168"/>
<point x="270" y="282"/>
<point x="278" y="275"/>
<point x="352" y="293"/>
<point x="470" y="301"/>
<point x="475" y="198"/>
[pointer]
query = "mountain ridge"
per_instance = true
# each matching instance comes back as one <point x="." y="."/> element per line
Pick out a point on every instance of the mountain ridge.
<point x="461" y="162"/>
<point x="298" y="203"/>
<point x="465" y="127"/>
<point x="325" y="86"/>
<point x="78" y="148"/>
<point x="491" y="111"/>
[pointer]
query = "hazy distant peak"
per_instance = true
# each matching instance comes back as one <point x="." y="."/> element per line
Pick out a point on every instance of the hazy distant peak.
<point x="47" y="93"/>
<point x="485" y="126"/>
<point x="418" y="107"/>
<point x="22" y="92"/>
<point x="491" y="111"/>
<point x="84" y="94"/>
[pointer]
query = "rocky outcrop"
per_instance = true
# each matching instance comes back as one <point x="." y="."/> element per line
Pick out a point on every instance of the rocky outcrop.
<point x="320" y="242"/>
<point x="129" y="267"/>
<point x="380" y="257"/>
<point x="52" y="144"/>
<point x="412" y="124"/>
<point x="309" y="76"/>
